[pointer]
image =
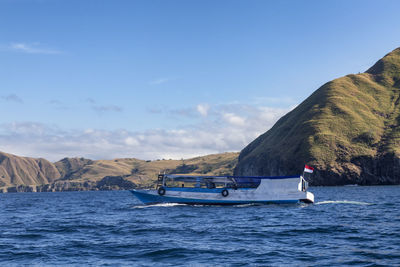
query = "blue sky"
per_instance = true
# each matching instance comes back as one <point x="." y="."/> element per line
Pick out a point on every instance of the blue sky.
<point x="172" y="79"/>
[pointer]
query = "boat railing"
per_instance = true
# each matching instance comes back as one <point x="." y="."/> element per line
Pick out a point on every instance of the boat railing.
<point x="210" y="182"/>
<point x="160" y="181"/>
<point x="304" y="184"/>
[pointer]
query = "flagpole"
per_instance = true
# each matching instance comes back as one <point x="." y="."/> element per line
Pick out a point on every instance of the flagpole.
<point x="307" y="172"/>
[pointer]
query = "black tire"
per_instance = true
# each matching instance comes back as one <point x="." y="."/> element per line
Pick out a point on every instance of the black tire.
<point x="161" y="191"/>
<point x="224" y="193"/>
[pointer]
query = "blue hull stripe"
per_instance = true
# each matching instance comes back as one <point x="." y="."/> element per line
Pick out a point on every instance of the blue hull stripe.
<point x="154" y="199"/>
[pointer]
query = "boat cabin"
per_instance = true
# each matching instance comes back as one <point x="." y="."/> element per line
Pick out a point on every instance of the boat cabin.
<point x="209" y="182"/>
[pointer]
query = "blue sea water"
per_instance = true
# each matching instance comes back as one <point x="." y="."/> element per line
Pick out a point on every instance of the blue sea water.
<point x="346" y="226"/>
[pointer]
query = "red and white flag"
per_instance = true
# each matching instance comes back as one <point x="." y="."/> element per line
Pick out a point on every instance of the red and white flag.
<point x="308" y="169"/>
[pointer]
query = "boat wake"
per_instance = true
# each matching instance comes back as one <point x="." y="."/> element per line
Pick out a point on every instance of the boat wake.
<point x="247" y="205"/>
<point x="343" y="202"/>
<point x="163" y="205"/>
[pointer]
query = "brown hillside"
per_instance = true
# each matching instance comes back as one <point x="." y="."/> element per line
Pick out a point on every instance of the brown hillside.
<point x="85" y="174"/>
<point x="144" y="173"/>
<point x="16" y="170"/>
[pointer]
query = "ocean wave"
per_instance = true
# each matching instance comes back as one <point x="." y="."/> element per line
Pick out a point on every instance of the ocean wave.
<point x="114" y="229"/>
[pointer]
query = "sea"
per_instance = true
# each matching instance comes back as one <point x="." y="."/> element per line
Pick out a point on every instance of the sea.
<point x="348" y="225"/>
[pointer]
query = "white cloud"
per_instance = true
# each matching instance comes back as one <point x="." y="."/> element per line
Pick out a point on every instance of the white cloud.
<point x="131" y="141"/>
<point x="203" y="109"/>
<point x="32" y="48"/>
<point x="226" y="128"/>
<point x="88" y="131"/>
<point x="234" y="119"/>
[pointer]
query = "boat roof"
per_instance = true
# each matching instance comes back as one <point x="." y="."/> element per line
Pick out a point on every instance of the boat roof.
<point x="230" y="177"/>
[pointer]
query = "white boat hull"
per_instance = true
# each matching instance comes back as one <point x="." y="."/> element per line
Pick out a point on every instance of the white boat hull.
<point x="286" y="190"/>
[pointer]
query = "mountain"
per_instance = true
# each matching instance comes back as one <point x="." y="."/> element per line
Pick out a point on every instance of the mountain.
<point x="23" y="174"/>
<point x="348" y="130"/>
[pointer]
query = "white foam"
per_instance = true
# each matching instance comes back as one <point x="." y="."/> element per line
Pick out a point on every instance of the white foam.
<point x="343" y="202"/>
<point x="165" y="205"/>
<point x="246" y="205"/>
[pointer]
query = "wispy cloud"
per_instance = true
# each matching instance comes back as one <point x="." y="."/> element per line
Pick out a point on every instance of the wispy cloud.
<point x="273" y="100"/>
<point x="161" y="81"/>
<point x="34" y="48"/>
<point x="58" y="104"/>
<point x="107" y="108"/>
<point x="90" y="100"/>
<point x="188" y="112"/>
<point x="155" y="110"/>
<point x="103" y="108"/>
<point x="185" y="112"/>
<point x="226" y="128"/>
<point x="55" y="102"/>
<point x="12" y="98"/>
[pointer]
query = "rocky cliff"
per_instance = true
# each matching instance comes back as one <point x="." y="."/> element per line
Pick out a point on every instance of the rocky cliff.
<point x="348" y="130"/>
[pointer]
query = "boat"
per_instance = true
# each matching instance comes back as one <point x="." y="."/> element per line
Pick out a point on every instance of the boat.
<point x="226" y="190"/>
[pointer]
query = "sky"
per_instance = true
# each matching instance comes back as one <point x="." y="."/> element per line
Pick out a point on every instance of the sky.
<point x="172" y="79"/>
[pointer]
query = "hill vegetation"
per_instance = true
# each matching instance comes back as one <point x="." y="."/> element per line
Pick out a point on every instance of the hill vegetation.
<point x="69" y="174"/>
<point x="348" y="129"/>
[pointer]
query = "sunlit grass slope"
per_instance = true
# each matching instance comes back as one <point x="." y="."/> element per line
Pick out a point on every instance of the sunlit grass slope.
<point x="342" y="128"/>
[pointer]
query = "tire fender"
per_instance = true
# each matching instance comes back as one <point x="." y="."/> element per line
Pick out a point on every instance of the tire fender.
<point x="225" y="193"/>
<point x="161" y="191"/>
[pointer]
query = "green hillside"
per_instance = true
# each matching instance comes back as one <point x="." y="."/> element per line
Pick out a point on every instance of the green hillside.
<point x="348" y="129"/>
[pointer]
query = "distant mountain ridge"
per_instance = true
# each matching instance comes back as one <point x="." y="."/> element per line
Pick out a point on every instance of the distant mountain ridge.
<point x="24" y="174"/>
<point x="348" y="129"/>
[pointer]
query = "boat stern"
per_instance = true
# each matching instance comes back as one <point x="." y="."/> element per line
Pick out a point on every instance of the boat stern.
<point x="309" y="198"/>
